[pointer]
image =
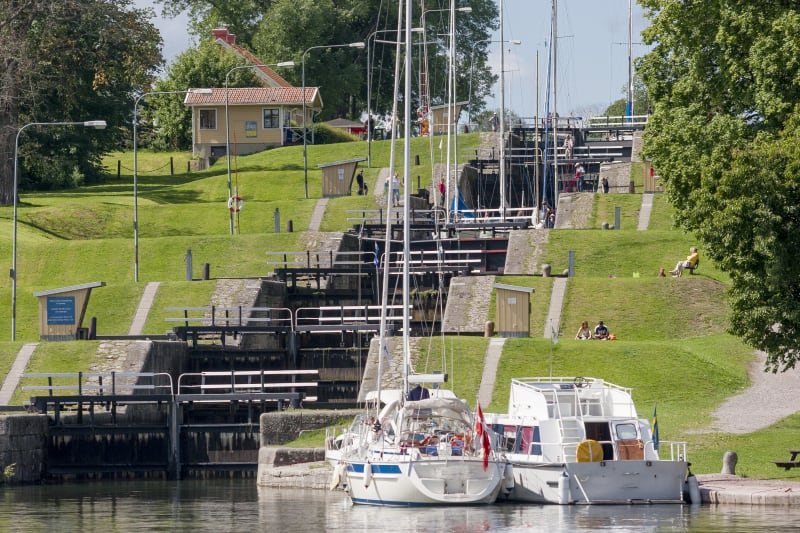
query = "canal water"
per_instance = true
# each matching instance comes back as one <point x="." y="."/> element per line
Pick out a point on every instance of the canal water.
<point x="238" y="505"/>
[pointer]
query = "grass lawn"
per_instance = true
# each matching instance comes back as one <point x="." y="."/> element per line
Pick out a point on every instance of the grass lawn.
<point x="673" y="349"/>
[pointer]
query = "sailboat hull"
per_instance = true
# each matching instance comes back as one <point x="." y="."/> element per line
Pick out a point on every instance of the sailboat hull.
<point x="424" y="482"/>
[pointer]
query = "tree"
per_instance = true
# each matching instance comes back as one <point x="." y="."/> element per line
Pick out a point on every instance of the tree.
<point x="723" y="76"/>
<point x="68" y="61"/>
<point x="205" y="66"/>
<point x="281" y="30"/>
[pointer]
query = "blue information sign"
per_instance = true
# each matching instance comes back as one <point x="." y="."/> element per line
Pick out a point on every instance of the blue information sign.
<point x="60" y="310"/>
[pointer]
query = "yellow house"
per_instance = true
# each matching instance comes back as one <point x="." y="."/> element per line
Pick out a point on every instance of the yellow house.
<point x="257" y="118"/>
<point x="249" y="119"/>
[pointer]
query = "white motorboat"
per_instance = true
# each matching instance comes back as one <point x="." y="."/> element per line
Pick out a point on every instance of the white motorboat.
<point x="579" y="440"/>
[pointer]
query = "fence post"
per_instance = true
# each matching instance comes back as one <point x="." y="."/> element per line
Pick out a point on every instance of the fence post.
<point x="277" y="220"/>
<point x="171" y="166"/>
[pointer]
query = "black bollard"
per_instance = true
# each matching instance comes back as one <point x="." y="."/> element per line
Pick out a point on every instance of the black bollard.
<point x="206" y="272"/>
<point x="92" y="333"/>
<point x="289" y="226"/>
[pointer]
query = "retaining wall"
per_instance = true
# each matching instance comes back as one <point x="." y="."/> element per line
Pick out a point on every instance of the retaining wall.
<point x="22" y="444"/>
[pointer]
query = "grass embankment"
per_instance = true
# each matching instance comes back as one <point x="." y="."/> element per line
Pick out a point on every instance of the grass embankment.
<point x="672" y="349"/>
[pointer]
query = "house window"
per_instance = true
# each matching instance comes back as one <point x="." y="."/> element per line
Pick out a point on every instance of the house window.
<point x="208" y="119"/>
<point x="272" y="118"/>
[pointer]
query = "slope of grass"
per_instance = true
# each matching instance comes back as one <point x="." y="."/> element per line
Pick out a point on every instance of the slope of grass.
<point x="672" y="349"/>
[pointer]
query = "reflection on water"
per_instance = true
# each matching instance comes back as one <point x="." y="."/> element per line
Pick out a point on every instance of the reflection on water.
<point x="237" y="505"/>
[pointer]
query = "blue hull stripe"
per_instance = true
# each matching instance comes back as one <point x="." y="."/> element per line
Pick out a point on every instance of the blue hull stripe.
<point x="358" y="468"/>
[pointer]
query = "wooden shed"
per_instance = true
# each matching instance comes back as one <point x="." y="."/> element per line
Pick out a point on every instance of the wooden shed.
<point x="61" y="311"/>
<point x="513" y="310"/>
<point x="337" y="177"/>
<point x="440" y="114"/>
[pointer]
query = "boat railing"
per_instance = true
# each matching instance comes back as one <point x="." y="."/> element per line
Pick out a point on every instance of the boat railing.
<point x="669" y="450"/>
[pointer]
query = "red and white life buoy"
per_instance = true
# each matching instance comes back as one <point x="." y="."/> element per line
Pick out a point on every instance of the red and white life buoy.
<point x="235" y="203"/>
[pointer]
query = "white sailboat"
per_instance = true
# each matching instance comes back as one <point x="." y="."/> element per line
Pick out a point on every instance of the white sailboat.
<point x="579" y="440"/>
<point x="424" y="446"/>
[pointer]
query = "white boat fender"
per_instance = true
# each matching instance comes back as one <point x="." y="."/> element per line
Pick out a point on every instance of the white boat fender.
<point x="508" y="479"/>
<point x="367" y="474"/>
<point x="337" y="475"/>
<point x="693" y="489"/>
<point x="563" y="488"/>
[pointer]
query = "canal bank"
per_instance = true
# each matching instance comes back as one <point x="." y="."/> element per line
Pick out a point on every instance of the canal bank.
<point x="277" y="469"/>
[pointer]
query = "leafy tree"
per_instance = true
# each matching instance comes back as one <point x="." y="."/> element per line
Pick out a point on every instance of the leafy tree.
<point x="165" y="121"/>
<point x="68" y="61"/>
<point x="724" y="77"/>
<point x="281" y="30"/>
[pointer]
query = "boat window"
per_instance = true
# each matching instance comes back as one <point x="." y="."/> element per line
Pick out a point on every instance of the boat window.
<point x="626" y="431"/>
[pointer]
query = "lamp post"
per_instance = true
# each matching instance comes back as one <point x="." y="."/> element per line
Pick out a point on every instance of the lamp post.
<point x="136" y="170"/>
<point x="227" y="122"/>
<point x="97" y="124"/>
<point x="516" y="42"/>
<point x="360" y="44"/>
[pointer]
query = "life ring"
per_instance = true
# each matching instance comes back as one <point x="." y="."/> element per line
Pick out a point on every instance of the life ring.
<point x="235" y="203"/>
<point x="589" y="451"/>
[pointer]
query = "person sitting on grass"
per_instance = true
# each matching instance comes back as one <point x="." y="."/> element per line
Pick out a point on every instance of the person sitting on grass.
<point x="600" y="331"/>
<point x="584" y="333"/>
<point x="690" y="262"/>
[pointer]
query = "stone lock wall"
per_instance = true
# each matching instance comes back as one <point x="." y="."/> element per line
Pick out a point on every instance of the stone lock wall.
<point x="23" y="443"/>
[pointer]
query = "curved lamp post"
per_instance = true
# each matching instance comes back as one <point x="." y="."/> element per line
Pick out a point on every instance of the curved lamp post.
<point x="516" y="42"/>
<point x="359" y="44"/>
<point x="97" y="124"/>
<point x="228" y="122"/>
<point x="136" y="170"/>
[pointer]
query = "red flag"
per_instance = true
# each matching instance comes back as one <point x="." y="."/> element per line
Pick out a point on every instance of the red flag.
<point x="479" y="422"/>
<point x="487" y="448"/>
<point x="483" y="436"/>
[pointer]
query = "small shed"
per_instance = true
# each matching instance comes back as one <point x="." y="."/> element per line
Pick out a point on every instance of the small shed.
<point x="513" y="310"/>
<point x="61" y="311"/>
<point x="337" y="177"/>
<point x="349" y="126"/>
<point x="440" y="114"/>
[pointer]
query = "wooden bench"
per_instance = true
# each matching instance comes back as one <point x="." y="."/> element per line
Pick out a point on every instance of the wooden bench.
<point x="791" y="463"/>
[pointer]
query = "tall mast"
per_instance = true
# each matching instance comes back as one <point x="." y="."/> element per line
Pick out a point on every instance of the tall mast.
<point x="502" y="120"/>
<point x="555" y="101"/>
<point x="629" y="106"/>
<point x="406" y="198"/>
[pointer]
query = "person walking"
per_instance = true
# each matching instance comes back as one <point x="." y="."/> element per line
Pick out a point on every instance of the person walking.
<point x="395" y="190"/>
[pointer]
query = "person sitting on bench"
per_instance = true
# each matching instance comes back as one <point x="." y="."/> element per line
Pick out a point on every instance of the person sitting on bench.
<point x="691" y="262"/>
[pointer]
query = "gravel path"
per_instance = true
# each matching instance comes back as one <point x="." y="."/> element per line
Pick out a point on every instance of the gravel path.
<point x="770" y="398"/>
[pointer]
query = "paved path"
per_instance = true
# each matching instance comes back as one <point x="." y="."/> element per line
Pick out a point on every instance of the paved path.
<point x="145" y="304"/>
<point x="490" y="362"/>
<point x="644" y="212"/>
<point x="556" y="302"/>
<point x="318" y="214"/>
<point x="17" y="369"/>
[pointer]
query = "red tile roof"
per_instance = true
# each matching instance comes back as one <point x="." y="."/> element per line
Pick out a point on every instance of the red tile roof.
<point x="256" y="96"/>
<point x="228" y="40"/>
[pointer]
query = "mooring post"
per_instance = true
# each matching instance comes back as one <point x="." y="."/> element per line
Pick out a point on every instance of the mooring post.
<point x="174" y="466"/>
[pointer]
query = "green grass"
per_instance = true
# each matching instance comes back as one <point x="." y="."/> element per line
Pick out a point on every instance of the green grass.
<point x="673" y="349"/>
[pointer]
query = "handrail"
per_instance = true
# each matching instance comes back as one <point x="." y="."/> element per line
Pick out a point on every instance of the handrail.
<point x="344" y="315"/>
<point x="216" y="380"/>
<point x="241" y="316"/>
<point x="80" y="385"/>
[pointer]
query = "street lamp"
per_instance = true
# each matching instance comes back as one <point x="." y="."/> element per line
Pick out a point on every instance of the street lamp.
<point x="227" y="122"/>
<point x="359" y="44"/>
<point x="136" y="170"/>
<point x="97" y="124"/>
<point x="516" y="42"/>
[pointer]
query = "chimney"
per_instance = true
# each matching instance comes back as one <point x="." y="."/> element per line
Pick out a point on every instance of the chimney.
<point x="222" y="33"/>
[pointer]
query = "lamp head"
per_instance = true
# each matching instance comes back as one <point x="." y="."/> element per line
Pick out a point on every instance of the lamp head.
<point x="359" y="44"/>
<point x="96" y="124"/>
<point x="285" y="64"/>
<point x="201" y="91"/>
